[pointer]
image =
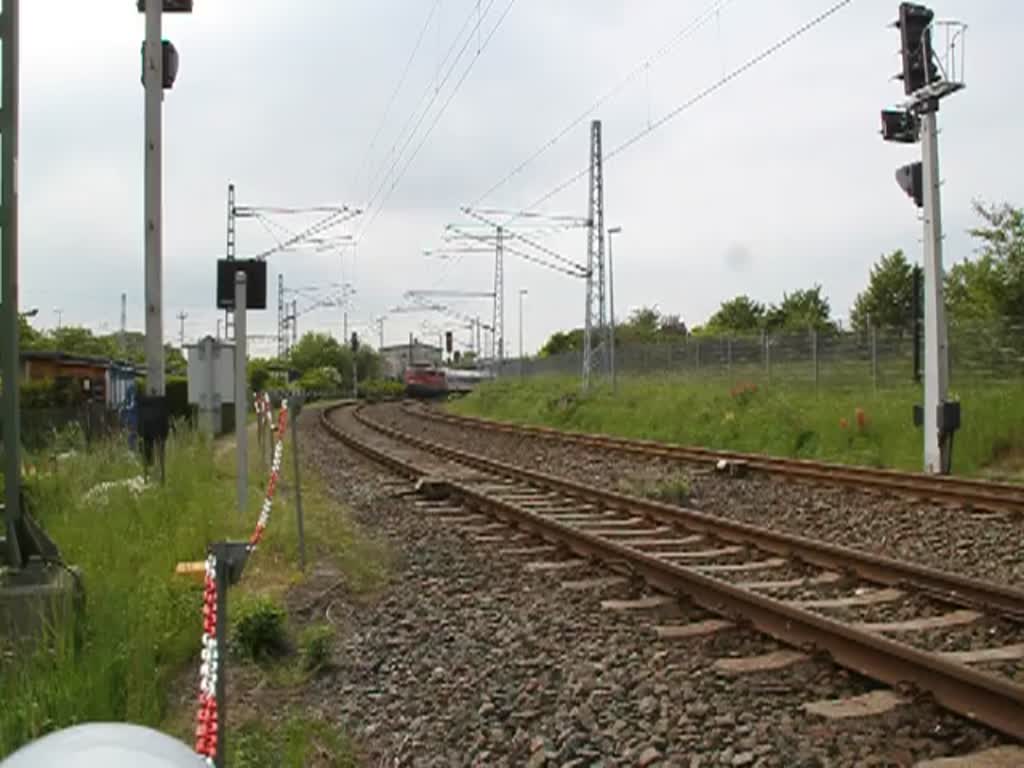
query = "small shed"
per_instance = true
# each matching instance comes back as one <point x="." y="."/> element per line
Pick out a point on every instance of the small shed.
<point x="96" y="379"/>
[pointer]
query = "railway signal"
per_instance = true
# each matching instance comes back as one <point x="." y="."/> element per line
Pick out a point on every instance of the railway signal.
<point x="170" y="64"/>
<point x="909" y="179"/>
<point x="926" y="82"/>
<point x="919" y="68"/>
<point x="900" y="125"/>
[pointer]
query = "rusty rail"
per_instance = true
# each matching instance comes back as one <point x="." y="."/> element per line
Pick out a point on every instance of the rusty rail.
<point x="981" y="494"/>
<point x="991" y="700"/>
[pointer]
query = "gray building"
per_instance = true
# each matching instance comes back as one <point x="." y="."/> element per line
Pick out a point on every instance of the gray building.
<point x="397" y="358"/>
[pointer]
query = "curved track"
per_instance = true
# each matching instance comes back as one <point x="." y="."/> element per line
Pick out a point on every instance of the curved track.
<point x="979" y="494"/>
<point x="955" y="638"/>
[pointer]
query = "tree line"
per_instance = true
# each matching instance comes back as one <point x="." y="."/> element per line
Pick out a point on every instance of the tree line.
<point x="987" y="289"/>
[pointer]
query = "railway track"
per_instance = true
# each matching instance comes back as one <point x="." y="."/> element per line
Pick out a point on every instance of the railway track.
<point x="957" y="639"/>
<point x="987" y="495"/>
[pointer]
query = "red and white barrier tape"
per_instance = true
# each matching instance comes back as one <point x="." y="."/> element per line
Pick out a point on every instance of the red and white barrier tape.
<point x="208" y="725"/>
<point x="275" y="471"/>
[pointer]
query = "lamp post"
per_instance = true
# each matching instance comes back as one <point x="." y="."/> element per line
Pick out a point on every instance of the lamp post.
<point x="611" y="305"/>
<point x="522" y="292"/>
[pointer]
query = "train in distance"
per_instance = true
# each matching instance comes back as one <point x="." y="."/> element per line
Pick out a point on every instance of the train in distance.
<point x="429" y="381"/>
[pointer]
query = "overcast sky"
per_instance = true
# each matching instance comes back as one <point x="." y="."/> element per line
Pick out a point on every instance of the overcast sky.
<point x="775" y="182"/>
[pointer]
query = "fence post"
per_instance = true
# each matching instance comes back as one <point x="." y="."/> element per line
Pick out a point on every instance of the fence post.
<point x="814" y="358"/>
<point x="222" y="571"/>
<point x="874" y="357"/>
<point x="295" y="406"/>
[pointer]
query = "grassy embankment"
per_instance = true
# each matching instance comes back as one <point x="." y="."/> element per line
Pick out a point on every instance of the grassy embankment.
<point x="138" y="636"/>
<point x="784" y="419"/>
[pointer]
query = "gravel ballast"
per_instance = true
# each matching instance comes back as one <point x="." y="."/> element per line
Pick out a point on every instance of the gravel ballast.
<point x="467" y="659"/>
<point x="979" y="545"/>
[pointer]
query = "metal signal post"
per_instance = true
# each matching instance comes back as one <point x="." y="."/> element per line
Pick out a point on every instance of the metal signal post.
<point x="9" y="354"/>
<point x="159" y="69"/>
<point x="926" y="82"/>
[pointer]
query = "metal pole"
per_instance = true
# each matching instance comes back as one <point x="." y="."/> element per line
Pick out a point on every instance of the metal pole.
<point x="814" y="358"/>
<point x="344" y="336"/>
<point x="241" y="396"/>
<point x="9" y="348"/>
<point x="296" y="408"/>
<point x="611" y="308"/>
<point x="936" y="344"/>
<point x="154" y="75"/>
<point x="874" y="357"/>
<point x="355" y="377"/>
<point x="522" y="292"/>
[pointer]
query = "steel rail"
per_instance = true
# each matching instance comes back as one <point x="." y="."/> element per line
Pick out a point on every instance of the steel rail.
<point x="994" y="701"/>
<point x="983" y="494"/>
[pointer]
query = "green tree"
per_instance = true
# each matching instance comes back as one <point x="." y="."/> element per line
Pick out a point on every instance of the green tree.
<point x="368" y="363"/>
<point x="175" y="363"/>
<point x="29" y="337"/>
<point x="990" y="287"/>
<point x="318" y="350"/>
<point x="738" y="315"/>
<point x="259" y="374"/>
<point x="800" y="310"/>
<point x="561" y="342"/>
<point x="75" y="340"/>
<point x="642" y="326"/>
<point x="888" y="299"/>
<point x="671" y="327"/>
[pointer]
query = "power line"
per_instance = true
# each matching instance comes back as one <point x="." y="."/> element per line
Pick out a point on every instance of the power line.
<point x="340" y="216"/>
<point x="436" y="90"/>
<point x="444" y="106"/>
<point x="691" y="28"/>
<point x="694" y="100"/>
<point x="527" y="241"/>
<point x="394" y="94"/>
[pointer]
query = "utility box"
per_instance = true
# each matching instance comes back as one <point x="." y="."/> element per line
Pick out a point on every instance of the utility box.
<point x="211" y="384"/>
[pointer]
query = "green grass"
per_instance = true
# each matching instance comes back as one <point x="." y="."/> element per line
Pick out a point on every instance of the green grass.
<point x="139" y="624"/>
<point x="781" y="419"/>
<point x="139" y="631"/>
<point x="294" y="741"/>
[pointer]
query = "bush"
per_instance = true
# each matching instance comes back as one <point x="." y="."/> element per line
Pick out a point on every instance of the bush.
<point x="259" y="628"/>
<point x="672" y="489"/>
<point x="315" y="646"/>
<point x="381" y="389"/>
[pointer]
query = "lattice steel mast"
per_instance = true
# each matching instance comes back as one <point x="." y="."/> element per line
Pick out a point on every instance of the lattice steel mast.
<point x="594" y="355"/>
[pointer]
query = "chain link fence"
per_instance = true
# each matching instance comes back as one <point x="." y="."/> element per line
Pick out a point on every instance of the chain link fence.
<point x="874" y="358"/>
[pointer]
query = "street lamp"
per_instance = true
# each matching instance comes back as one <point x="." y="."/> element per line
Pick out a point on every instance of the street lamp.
<point x="522" y="292"/>
<point x="60" y="317"/>
<point x="611" y="304"/>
